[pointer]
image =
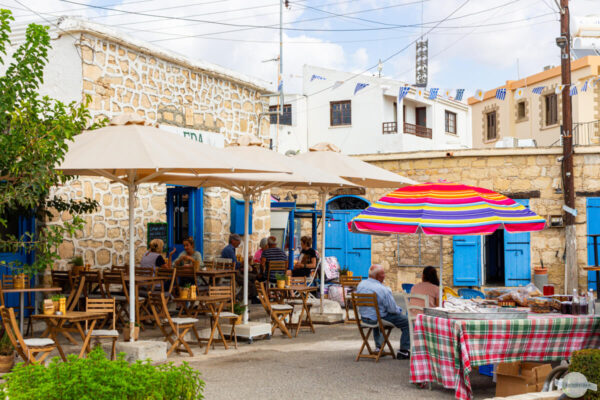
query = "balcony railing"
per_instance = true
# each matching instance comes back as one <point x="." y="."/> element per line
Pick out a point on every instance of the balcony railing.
<point x="586" y="133"/>
<point x="389" y="127"/>
<point x="417" y="130"/>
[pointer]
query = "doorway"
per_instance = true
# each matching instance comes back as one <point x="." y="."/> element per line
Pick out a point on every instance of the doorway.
<point x="185" y="217"/>
<point x="493" y="257"/>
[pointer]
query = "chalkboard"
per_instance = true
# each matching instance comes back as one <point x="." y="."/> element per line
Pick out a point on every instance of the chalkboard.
<point x="157" y="230"/>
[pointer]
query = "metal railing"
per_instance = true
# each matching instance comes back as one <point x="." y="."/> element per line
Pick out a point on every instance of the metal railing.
<point x="389" y="127"/>
<point x="586" y="133"/>
<point x="417" y="130"/>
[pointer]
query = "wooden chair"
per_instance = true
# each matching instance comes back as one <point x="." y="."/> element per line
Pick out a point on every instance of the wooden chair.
<point x="174" y="329"/>
<point x="28" y="349"/>
<point x="276" y="267"/>
<point x="62" y="279"/>
<point x="169" y="275"/>
<point x="385" y="327"/>
<point x="224" y="263"/>
<point x="105" y="306"/>
<point x="277" y="312"/>
<point x="76" y="291"/>
<point x="120" y="268"/>
<point x="9" y="283"/>
<point x="186" y="274"/>
<point x="231" y="317"/>
<point x="144" y="271"/>
<point x="350" y="283"/>
<point x="209" y="264"/>
<point x="117" y="290"/>
<point x="413" y="310"/>
<point x="93" y="284"/>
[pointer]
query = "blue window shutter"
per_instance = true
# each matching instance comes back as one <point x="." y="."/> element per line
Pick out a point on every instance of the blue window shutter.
<point x="593" y="228"/>
<point x="517" y="256"/>
<point x="466" y="260"/>
<point x="237" y="216"/>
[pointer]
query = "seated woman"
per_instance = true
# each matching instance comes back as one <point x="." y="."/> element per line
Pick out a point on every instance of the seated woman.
<point x="189" y="257"/>
<point x="153" y="257"/>
<point x="308" y="258"/>
<point x="430" y="286"/>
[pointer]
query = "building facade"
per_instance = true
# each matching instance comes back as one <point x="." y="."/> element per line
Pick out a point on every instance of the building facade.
<point x="369" y="121"/>
<point x="519" y="120"/>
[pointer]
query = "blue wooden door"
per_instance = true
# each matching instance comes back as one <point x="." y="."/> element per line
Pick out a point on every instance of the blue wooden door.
<point x="517" y="256"/>
<point x="466" y="260"/>
<point x="184" y="217"/>
<point x="359" y="249"/>
<point x="593" y="228"/>
<point x="335" y="238"/>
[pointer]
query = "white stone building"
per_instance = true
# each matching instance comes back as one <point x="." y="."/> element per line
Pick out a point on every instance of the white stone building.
<point x="370" y="121"/>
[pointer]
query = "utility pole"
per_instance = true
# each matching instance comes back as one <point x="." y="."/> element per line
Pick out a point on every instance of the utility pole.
<point x="564" y="42"/>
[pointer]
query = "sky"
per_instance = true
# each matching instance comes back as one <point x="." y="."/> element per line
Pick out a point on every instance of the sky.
<point x="472" y="43"/>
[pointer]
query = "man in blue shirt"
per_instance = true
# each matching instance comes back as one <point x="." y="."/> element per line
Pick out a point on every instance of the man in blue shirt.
<point x="388" y="310"/>
<point x="229" y="250"/>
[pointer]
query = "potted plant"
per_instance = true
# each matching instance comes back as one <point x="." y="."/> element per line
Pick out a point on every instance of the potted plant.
<point x="77" y="264"/>
<point x="344" y="271"/>
<point x="184" y="292"/>
<point x="7" y="354"/>
<point x="239" y="310"/>
<point x="280" y="280"/>
<point x="56" y="302"/>
<point x="127" y="329"/>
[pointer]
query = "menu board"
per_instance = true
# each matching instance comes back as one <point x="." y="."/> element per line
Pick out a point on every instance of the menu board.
<point x="157" y="230"/>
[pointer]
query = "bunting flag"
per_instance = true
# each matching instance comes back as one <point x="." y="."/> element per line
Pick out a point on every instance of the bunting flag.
<point x="420" y="93"/>
<point x="447" y="93"/>
<point x="519" y="93"/>
<point x="501" y="94"/>
<point x="360" y="86"/>
<point x="459" y="94"/>
<point x="312" y="78"/>
<point x="584" y="88"/>
<point x="538" y="90"/>
<point x="479" y="94"/>
<point x="280" y="86"/>
<point x="433" y="92"/>
<point x="573" y="91"/>
<point x="559" y="89"/>
<point x="337" y="84"/>
<point x="403" y="92"/>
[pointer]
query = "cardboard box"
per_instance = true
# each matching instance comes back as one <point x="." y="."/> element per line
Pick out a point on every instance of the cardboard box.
<point x="520" y="377"/>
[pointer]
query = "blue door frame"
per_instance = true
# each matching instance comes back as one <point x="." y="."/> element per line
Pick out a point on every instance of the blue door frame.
<point x="185" y="217"/>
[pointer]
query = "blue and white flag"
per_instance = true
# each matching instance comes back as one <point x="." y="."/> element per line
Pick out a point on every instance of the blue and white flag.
<point x="479" y="94"/>
<point x="360" y="86"/>
<point x="459" y="94"/>
<point x="519" y="93"/>
<point x="433" y="92"/>
<point x="337" y="84"/>
<point x="559" y="89"/>
<point x="584" y="88"/>
<point x="538" y="90"/>
<point x="447" y="93"/>
<point x="280" y="86"/>
<point x="573" y="91"/>
<point x="312" y="78"/>
<point x="403" y="92"/>
<point x="501" y="94"/>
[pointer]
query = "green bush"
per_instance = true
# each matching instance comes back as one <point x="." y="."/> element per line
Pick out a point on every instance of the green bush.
<point x="99" y="378"/>
<point x="587" y="362"/>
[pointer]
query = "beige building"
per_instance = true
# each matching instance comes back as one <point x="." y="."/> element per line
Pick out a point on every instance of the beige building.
<point x="202" y="101"/>
<point x="538" y="117"/>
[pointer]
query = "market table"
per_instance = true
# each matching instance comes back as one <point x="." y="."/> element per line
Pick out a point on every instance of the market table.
<point x="56" y="324"/>
<point x="446" y="350"/>
<point x="22" y="292"/>
<point x="301" y="292"/>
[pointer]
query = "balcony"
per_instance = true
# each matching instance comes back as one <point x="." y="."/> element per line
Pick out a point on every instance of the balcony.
<point x="417" y="130"/>
<point x="389" y="128"/>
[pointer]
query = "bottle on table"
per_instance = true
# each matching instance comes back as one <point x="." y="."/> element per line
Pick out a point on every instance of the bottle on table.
<point x="591" y="303"/>
<point x="575" y="303"/>
<point x="583" y="305"/>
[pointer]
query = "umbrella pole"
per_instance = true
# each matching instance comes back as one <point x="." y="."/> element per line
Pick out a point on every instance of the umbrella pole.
<point x="131" y="188"/>
<point x="441" y="269"/>
<point x="324" y="219"/>
<point x="246" y="215"/>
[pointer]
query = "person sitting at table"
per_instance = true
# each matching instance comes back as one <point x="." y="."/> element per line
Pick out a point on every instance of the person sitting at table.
<point x="430" y="286"/>
<point x="388" y="310"/>
<point x="229" y="252"/>
<point x="153" y="257"/>
<point x="308" y="258"/>
<point x="261" y="247"/>
<point x="271" y="253"/>
<point x="189" y="257"/>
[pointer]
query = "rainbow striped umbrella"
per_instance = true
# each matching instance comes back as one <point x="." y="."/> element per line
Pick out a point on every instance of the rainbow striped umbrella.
<point x="445" y="208"/>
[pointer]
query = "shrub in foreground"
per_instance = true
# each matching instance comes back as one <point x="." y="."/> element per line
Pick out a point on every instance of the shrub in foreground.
<point x="99" y="378"/>
<point x="587" y="362"/>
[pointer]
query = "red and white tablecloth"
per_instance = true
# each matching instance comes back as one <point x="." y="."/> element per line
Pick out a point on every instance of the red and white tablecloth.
<point x="446" y="350"/>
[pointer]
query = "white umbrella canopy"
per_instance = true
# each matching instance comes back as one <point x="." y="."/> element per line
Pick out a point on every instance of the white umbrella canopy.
<point x="132" y="152"/>
<point x="302" y="176"/>
<point x="327" y="157"/>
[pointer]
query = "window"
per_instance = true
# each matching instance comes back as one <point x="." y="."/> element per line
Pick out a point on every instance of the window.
<point x="451" y="122"/>
<point x="285" y="118"/>
<point x="551" y="105"/>
<point x="395" y="112"/>
<point x="490" y="133"/>
<point x="421" y="116"/>
<point x="340" y="113"/>
<point x="521" y="110"/>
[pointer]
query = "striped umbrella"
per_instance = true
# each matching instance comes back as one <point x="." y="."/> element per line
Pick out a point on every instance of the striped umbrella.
<point x="447" y="209"/>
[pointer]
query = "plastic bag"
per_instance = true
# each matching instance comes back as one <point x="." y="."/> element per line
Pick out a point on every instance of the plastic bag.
<point x="521" y="295"/>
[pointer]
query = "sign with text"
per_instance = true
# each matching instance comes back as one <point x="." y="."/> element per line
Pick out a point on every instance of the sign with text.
<point x="157" y="230"/>
<point x="211" y="138"/>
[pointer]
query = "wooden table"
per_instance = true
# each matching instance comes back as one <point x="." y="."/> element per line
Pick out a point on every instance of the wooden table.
<point x="56" y="324"/>
<point x="299" y="292"/>
<point x="22" y="298"/>
<point x="147" y="281"/>
<point x="214" y="306"/>
<point x="212" y="275"/>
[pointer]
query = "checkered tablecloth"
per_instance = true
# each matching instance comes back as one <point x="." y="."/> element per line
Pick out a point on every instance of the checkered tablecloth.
<point x="445" y="350"/>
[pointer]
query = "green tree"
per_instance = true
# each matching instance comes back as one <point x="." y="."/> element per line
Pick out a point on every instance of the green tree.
<point x="34" y="135"/>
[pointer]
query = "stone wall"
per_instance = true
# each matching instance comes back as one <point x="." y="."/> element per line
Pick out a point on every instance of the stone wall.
<point x="121" y="78"/>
